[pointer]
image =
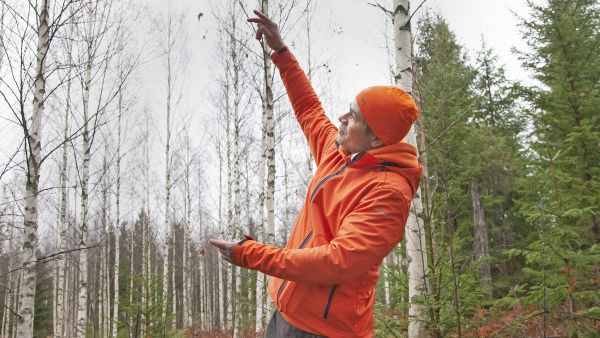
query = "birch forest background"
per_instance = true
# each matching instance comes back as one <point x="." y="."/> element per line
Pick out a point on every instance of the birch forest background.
<point x="118" y="163"/>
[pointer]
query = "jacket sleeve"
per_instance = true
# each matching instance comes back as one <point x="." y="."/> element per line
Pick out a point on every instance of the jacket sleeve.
<point x="366" y="236"/>
<point x="318" y="129"/>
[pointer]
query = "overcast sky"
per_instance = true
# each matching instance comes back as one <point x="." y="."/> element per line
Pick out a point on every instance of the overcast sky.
<point x="349" y="34"/>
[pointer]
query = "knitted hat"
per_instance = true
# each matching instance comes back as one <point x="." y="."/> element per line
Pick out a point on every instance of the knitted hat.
<point x="389" y="111"/>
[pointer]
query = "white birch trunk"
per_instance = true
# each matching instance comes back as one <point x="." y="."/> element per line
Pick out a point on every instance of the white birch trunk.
<point x="62" y="266"/>
<point x="204" y="325"/>
<point x="131" y="273"/>
<point x="9" y="294"/>
<point x="33" y="136"/>
<point x="15" y="306"/>
<point x="187" y="320"/>
<point x="221" y="284"/>
<point x="236" y="63"/>
<point x="222" y="290"/>
<point x="2" y="12"/>
<point x="269" y="161"/>
<point x="83" y="253"/>
<point x="173" y="285"/>
<point x="415" y="235"/>
<point x="229" y="271"/>
<point x="270" y="137"/>
<point x="230" y="233"/>
<point x="102" y="281"/>
<point x="146" y="226"/>
<point x="117" y="229"/>
<point x="386" y="279"/>
<point x="167" y="226"/>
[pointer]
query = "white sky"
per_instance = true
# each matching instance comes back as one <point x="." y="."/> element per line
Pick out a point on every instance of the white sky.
<point x="349" y="34"/>
<point x="468" y="19"/>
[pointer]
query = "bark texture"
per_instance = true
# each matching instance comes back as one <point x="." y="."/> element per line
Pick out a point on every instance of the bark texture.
<point x="415" y="234"/>
<point x="481" y="245"/>
<point x="33" y="135"/>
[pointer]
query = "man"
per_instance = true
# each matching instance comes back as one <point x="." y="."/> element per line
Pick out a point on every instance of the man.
<point x="354" y="213"/>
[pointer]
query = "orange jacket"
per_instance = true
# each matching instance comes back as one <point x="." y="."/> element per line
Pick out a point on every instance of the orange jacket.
<point x="353" y="216"/>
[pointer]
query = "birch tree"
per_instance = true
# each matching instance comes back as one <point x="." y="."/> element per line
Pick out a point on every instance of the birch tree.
<point x="186" y="305"/>
<point x="268" y="187"/>
<point x="128" y="60"/>
<point x="2" y="49"/>
<point x="86" y="148"/>
<point x="62" y="263"/>
<point x="167" y="225"/>
<point x="415" y="239"/>
<point x="33" y="148"/>
<point x="117" y="223"/>
<point x="171" y="48"/>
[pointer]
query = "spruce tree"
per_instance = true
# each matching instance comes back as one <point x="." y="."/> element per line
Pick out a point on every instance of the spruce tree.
<point x="560" y="195"/>
<point x="445" y="86"/>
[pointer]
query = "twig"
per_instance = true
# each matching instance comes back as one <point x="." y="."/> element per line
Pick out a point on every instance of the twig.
<point x="46" y="259"/>
<point x="11" y="311"/>
<point x="416" y="10"/>
<point x="385" y="10"/>
<point x="437" y="138"/>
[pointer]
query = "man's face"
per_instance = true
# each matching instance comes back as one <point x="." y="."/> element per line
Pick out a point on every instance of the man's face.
<point x="353" y="131"/>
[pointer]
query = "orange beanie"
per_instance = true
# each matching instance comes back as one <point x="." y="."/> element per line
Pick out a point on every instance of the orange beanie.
<point x="389" y="111"/>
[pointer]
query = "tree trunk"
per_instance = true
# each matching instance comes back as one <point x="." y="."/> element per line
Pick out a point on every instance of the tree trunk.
<point x="167" y="227"/>
<point x="187" y="321"/>
<point x="269" y="130"/>
<point x="132" y="328"/>
<point x="268" y="155"/>
<point x="236" y="226"/>
<point x="103" y="280"/>
<point x="62" y="266"/>
<point x="83" y="252"/>
<point x="33" y="138"/>
<point x="146" y="268"/>
<point x="9" y="294"/>
<point x="386" y="278"/>
<point x="481" y="245"/>
<point x="117" y="228"/>
<point x="2" y="12"/>
<point x="173" y="282"/>
<point x="415" y="240"/>
<point x="220" y="289"/>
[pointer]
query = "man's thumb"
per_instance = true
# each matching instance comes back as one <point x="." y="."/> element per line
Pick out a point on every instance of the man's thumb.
<point x="216" y="243"/>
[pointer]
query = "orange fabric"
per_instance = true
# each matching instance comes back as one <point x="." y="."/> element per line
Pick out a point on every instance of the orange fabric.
<point x="353" y="216"/>
<point x="389" y="112"/>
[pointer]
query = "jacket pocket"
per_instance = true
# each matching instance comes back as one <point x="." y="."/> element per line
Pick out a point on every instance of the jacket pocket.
<point x="287" y="287"/>
<point x="329" y="300"/>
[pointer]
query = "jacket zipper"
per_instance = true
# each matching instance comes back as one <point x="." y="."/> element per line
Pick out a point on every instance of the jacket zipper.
<point x="317" y="187"/>
<point x="304" y="242"/>
<point x="328" y="177"/>
<point x="329" y="300"/>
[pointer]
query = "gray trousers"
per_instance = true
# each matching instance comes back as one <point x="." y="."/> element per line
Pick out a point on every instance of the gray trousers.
<point x="279" y="328"/>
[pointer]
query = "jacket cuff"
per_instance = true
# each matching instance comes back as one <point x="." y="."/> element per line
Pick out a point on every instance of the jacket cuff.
<point x="238" y="250"/>
<point x="281" y="54"/>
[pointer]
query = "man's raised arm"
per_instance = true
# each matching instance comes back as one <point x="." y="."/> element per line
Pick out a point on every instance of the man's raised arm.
<point x="317" y="127"/>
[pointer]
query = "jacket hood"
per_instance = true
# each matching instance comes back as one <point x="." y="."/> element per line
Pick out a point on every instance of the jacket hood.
<point x="399" y="157"/>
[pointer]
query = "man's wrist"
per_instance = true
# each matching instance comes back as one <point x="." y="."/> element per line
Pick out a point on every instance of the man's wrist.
<point x="282" y="49"/>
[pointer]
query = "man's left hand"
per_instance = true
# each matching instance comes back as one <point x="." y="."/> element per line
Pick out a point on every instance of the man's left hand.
<point x="226" y="248"/>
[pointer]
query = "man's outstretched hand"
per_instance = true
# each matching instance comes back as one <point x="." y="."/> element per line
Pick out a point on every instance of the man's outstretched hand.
<point x="225" y="248"/>
<point x="267" y="28"/>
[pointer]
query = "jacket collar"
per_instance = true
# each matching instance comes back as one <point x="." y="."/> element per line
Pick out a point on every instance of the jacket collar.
<point x="399" y="157"/>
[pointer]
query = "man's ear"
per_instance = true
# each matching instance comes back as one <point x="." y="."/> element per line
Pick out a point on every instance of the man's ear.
<point x="375" y="142"/>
